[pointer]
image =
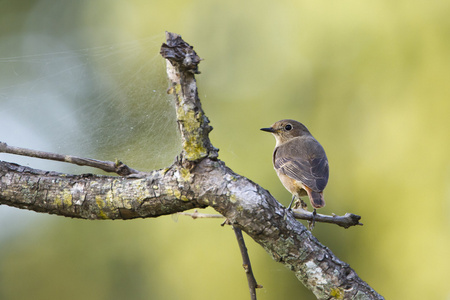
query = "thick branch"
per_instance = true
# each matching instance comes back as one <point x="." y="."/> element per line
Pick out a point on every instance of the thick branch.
<point x="93" y="196"/>
<point x="245" y="204"/>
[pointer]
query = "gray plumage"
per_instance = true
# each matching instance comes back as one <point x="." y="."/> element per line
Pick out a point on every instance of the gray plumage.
<point x="303" y="159"/>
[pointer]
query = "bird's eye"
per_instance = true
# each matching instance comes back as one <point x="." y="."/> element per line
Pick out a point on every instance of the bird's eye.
<point x="288" y="127"/>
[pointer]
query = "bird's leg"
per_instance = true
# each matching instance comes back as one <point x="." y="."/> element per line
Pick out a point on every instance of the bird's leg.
<point x="289" y="208"/>
<point x="292" y="202"/>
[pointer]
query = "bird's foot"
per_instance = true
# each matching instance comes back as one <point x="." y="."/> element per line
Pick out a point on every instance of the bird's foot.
<point x="303" y="205"/>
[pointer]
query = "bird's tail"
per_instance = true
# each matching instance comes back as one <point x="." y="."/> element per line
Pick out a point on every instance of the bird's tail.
<point x="316" y="198"/>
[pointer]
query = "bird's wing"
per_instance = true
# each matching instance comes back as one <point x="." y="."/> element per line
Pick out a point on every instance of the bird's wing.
<point x="306" y="162"/>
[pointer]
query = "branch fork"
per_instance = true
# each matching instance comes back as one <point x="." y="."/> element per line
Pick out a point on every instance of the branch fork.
<point x="197" y="179"/>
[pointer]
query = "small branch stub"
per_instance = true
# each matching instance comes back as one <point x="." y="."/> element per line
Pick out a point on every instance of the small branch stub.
<point x="180" y="53"/>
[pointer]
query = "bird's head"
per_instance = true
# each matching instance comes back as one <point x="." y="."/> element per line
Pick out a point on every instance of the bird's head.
<point x="285" y="130"/>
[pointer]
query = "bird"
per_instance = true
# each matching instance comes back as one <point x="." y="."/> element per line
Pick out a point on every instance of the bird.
<point x="300" y="162"/>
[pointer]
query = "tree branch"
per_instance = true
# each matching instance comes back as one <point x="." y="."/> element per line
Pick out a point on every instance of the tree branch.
<point x="195" y="180"/>
<point x="197" y="215"/>
<point x="345" y="221"/>
<point x="107" y="166"/>
<point x="252" y="285"/>
<point x="182" y="64"/>
<point x="91" y="196"/>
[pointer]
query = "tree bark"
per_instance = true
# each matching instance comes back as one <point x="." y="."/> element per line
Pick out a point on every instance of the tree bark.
<point x="196" y="179"/>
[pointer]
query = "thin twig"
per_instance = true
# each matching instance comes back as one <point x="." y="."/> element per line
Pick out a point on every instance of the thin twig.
<point x="345" y="221"/>
<point x="108" y="166"/>
<point x="252" y="284"/>
<point x="196" y="215"/>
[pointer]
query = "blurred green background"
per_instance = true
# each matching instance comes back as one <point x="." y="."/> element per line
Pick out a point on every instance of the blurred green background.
<point x="369" y="79"/>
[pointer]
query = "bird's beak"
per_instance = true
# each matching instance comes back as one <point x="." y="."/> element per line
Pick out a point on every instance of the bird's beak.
<point x="270" y="129"/>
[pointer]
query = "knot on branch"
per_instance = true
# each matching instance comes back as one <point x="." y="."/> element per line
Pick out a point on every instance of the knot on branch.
<point x="180" y="53"/>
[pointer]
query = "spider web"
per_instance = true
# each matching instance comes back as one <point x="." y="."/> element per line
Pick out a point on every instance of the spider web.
<point x="106" y="102"/>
